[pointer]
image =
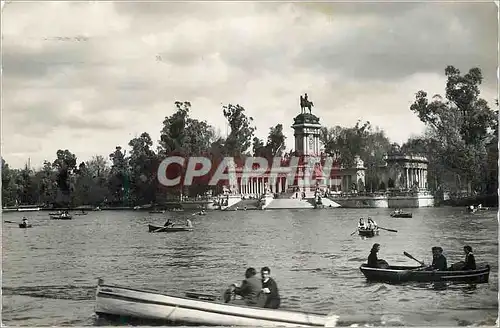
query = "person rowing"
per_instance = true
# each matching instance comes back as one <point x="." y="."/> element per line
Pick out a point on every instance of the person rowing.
<point x="438" y="260"/>
<point x="168" y="223"/>
<point x="249" y="289"/>
<point x="25" y="221"/>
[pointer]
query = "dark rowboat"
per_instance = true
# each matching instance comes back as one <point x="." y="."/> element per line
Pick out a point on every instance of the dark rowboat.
<point x="401" y="214"/>
<point x="396" y="274"/>
<point x="127" y="303"/>
<point x="368" y="232"/>
<point x="21" y="225"/>
<point x="155" y="228"/>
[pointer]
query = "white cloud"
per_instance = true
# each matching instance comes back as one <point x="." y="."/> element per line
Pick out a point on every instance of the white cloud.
<point x="90" y="76"/>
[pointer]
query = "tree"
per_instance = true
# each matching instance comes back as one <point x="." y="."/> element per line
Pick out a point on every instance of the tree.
<point x="119" y="183"/>
<point x="258" y="147"/>
<point x="98" y="169"/>
<point x="240" y="137"/>
<point x="276" y="140"/>
<point x="172" y="134"/>
<point x="460" y="125"/>
<point x="143" y="166"/>
<point x="65" y="164"/>
<point x="9" y="186"/>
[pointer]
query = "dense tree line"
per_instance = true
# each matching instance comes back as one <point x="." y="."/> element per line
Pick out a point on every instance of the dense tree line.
<point x="461" y="143"/>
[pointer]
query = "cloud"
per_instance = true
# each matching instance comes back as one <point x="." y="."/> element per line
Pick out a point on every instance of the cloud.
<point x="90" y="76"/>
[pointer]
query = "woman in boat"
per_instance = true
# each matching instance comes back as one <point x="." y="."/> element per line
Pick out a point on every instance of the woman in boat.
<point x="373" y="261"/>
<point x="361" y="223"/>
<point x="470" y="261"/>
<point x="270" y="289"/>
<point x="371" y="224"/>
<point x="189" y="224"/>
<point x="249" y="288"/>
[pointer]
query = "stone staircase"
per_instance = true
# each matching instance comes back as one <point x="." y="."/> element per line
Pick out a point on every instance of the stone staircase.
<point x="289" y="203"/>
<point x="250" y="204"/>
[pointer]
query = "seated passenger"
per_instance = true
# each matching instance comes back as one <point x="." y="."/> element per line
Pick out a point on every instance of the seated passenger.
<point x="470" y="261"/>
<point x="373" y="261"/>
<point x="270" y="289"/>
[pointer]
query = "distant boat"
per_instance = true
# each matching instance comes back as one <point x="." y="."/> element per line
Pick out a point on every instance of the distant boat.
<point x="62" y="216"/>
<point x="24" y="226"/>
<point x="157" y="211"/>
<point x="28" y="209"/>
<point x="401" y="214"/>
<point x="155" y="228"/>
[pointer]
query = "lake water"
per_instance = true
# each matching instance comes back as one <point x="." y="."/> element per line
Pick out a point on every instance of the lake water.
<point x="50" y="271"/>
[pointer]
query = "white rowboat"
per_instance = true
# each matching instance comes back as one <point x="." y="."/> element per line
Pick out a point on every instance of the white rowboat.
<point x="141" y="304"/>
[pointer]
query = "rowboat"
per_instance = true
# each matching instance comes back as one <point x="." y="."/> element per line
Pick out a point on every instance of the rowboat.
<point x="156" y="228"/>
<point x="368" y="232"/>
<point x="401" y="214"/>
<point x="127" y="303"/>
<point x="85" y="213"/>
<point x="395" y="274"/>
<point x="28" y="209"/>
<point x="24" y="226"/>
<point x="157" y="211"/>
<point x="61" y="217"/>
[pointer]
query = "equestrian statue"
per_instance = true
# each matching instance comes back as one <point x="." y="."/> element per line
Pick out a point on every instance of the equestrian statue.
<point x="305" y="103"/>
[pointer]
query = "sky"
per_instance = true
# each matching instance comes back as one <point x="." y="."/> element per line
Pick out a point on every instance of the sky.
<point x="89" y="76"/>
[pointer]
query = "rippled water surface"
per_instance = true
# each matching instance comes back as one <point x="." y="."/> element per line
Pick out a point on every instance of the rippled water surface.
<point x="50" y="271"/>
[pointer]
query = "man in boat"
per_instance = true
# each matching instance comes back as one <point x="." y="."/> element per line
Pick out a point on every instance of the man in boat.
<point x="168" y="223"/>
<point x="438" y="260"/>
<point x="373" y="261"/>
<point x="249" y="288"/>
<point x="189" y="224"/>
<point x="470" y="261"/>
<point x="270" y="289"/>
<point x="25" y="222"/>
<point x="371" y="224"/>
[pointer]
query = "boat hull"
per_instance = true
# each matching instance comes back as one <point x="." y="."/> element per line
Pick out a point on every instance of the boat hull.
<point x="60" y="217"/>
<point x="401" y="215"/>
<point x="24" y="226"/>
<point x="28" y="209"/>
<point x="368" y="232"/>
<point x="146" y="305"/>
<point x="155" y="228"/>
<point x="395" y="274"/>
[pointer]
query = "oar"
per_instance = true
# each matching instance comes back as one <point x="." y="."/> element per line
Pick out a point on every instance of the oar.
<point x="391" y="230"/>
<point x="354" y="232"/>
<point x="410" y="256"/>
<point x="7" y="221"/>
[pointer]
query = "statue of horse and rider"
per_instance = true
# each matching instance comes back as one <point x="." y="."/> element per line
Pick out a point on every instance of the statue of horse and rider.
<point x="305" y="103"/>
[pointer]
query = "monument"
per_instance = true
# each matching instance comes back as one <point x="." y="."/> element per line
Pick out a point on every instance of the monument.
<point x="307" y="128"/>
